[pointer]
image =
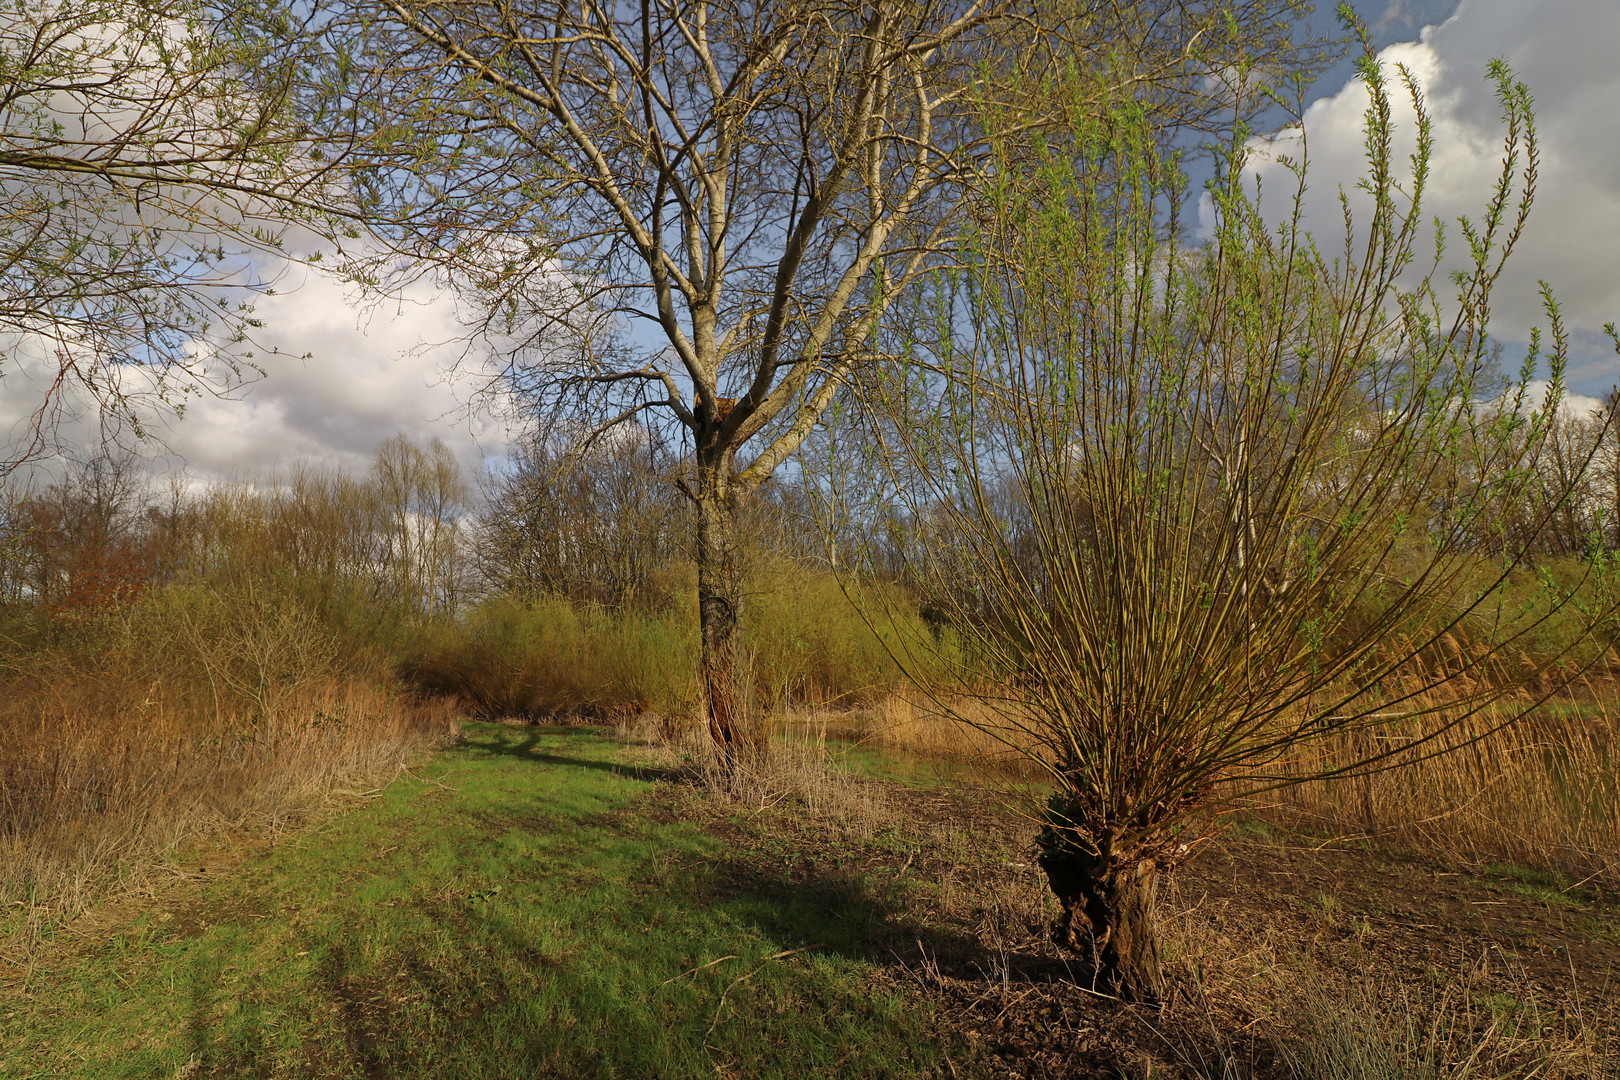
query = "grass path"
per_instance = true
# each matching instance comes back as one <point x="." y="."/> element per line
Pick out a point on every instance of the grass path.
<point x="506" y="911"/>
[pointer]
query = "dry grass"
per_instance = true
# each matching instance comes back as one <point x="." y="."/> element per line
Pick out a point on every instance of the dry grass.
<point x="793" y="772"/>
<point x="1348" y="1017"/>
<point x="168" y="721"/>
<point x="1543" y="792"/>
<point x="88" y="805"/>
<point x="806" y="777"/>
<point x="1256" y="997"/>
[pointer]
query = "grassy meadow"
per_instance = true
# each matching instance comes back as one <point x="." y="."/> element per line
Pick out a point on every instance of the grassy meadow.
<point x="541" y="901"/>
<point x="1009" y="626"/>
<point x="286" y="796"/>
<point x="502" y="910"/>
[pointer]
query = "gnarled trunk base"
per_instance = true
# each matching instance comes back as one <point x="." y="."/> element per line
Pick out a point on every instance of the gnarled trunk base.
<point x="719" y="598"/>
<point x="720" y="697"/>
<point x="1108" y="919"/>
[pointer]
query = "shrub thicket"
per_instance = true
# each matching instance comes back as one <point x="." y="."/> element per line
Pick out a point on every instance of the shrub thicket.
<point x="176" y="661"/>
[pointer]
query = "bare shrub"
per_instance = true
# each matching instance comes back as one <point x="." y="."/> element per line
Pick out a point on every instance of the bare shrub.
<point x="255" y="648"/>
<point x="602" y="525"/>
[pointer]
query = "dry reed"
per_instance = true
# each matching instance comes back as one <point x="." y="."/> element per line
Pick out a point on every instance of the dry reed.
<point x="1345" y="1015"/>
<point x="1542" y="792"/>
<point x="106" y="774"/>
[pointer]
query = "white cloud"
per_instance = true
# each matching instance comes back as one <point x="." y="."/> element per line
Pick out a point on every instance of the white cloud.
<point x="375" y="372"/>
<point x="1570" y="406"/>
<point x="1207" y="218"/>
<point x="1563" y="50"/>
<point x="371" y="372"/>
<point x="344" y="377"/>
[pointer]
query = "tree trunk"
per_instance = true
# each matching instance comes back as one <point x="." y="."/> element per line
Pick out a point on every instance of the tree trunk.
<point x="719" y="608"/>
<point x="1108" y="918"/>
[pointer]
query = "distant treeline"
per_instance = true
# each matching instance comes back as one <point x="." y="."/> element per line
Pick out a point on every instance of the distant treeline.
<point x="562" y="582"/>
<point x="554" y="585"/>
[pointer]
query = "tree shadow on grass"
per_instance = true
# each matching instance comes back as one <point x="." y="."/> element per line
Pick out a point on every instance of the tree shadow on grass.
<point x="661" y="950"/>
<point x="528" y="748"/>
<point x="637" y="986"/>
<point x="851" y="915"/>
<point x="870" y="920"/>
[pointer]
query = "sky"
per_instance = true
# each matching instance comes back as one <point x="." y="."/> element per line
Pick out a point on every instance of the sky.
<point x="372" y="372"/>
<point x="1564" y="51"/>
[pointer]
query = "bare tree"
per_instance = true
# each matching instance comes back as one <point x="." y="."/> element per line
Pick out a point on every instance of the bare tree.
<point x="1186" y="510"/>
<point x="705" y="209"/>
<point x="77" y="545"/>
<point x="1569" y="497"/>
<point x="1607" y="481"/>
<point x="144" y="159"/>
<point x="599" y="526"/>
<point x="421" y="498"/>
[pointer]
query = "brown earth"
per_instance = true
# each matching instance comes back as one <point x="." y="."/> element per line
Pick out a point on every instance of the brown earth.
<point x="1276" y="942"/>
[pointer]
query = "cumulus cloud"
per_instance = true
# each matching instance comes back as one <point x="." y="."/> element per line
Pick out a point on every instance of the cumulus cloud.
<point x="345" y="378"/>
<point x="73" y="249"/>
<point x="342" y="378"/>
<point x="1571" y="406"/>
<point x="1563" y="50"/>
<point x="376" y="371"/>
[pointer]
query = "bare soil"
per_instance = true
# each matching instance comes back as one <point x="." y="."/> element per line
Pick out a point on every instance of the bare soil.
<point x="1269" y="937"/>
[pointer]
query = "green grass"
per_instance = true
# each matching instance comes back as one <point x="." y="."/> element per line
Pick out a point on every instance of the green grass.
<point x="882" y="763"/>
<point x="507" y="911"/>
<point x="1548" y="886"/>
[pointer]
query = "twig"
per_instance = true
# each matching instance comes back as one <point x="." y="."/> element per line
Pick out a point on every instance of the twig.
<point x="744" y="978"/>
<point x="1342" y="838"/>
<point x="764" y="806"/>
<point x="701" y="967"/>
<point x="1589" y="877"/>
<point x="1011" y="1003"/>
<point x="1096" y="993"/>
<point x="439" y="783"/>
